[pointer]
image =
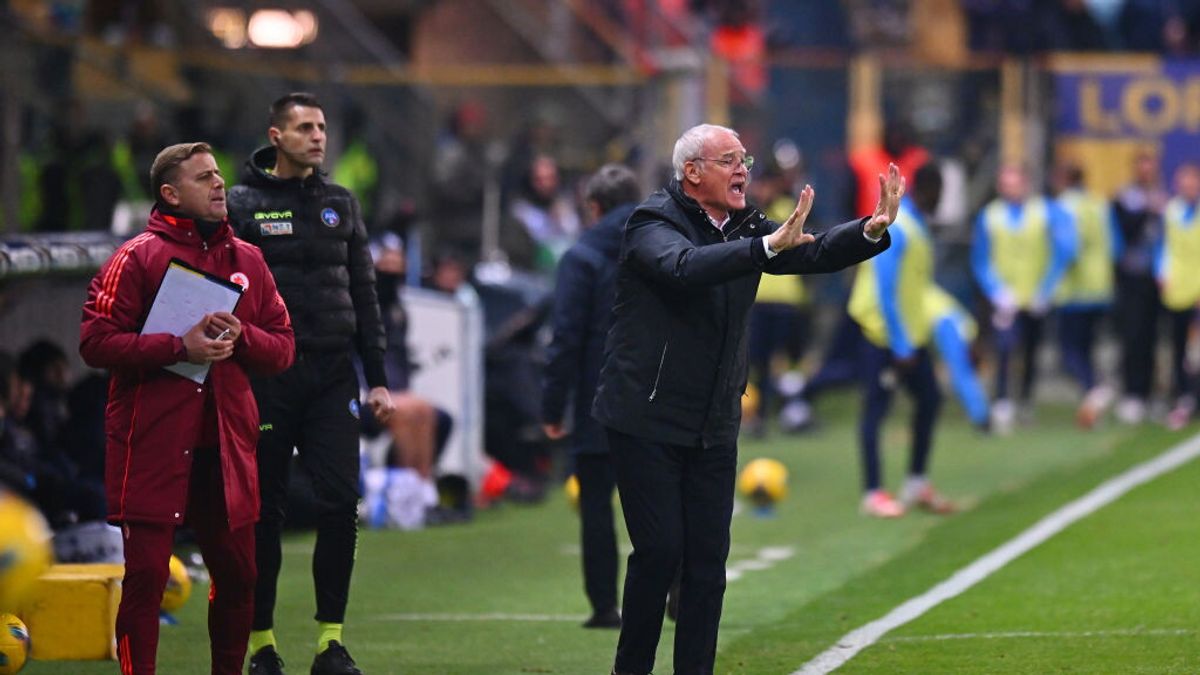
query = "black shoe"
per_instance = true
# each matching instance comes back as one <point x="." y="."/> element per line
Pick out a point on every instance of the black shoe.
<point x="335" y="660"/>
<point x="607" y="619"/>
<point x="266" y="661"/>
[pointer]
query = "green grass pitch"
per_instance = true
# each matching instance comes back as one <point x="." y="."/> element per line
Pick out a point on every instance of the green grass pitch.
<point x="1118" y="592"/>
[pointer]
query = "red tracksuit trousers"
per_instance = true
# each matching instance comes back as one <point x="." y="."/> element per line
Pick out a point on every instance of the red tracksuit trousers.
<point x="229" y="555"/>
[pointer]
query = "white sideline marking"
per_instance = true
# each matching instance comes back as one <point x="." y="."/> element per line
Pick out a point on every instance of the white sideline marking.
<point x="1124" y="632"/>
<point x="491" y="616"/>
<point x="864" y="636"/>
<point x="764" y="559"/>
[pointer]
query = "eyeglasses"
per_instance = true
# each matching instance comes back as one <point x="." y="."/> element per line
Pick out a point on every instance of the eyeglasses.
<point x="731" y="162"/>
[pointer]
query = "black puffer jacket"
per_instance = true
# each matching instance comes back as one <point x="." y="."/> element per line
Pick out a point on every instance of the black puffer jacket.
<point x="313" y="238"/>
<point x="675" y="359"/>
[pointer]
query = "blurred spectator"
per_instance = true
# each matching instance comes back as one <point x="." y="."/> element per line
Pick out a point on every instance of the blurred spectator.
<point x="1086" y="292"/>
<point x="779" y="318"/>
<point x="1068" y="25"/>
<point x="1176" y="270"/>
<point x="583" y="301"/>
<point x="356" y="168"/>
<point x="1023" y="245"/>
<point x="18" y="449"/>
<point x="459" y="176"/>
<point x="1138" y="212"/>
<point x="133" y="155"/>
<point x="79" y="186"/>
<point x="899" y="146"/>
<point x="61" y="491"/>
<point x="547" y="215"/>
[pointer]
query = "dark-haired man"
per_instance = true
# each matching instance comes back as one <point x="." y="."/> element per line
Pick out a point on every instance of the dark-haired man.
<point x="583" y="299"/>
<point x="180" y="451"/>
<point x="313" y="238"/>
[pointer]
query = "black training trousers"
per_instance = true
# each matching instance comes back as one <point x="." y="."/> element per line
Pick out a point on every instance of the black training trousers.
<point x="312" y="407"/>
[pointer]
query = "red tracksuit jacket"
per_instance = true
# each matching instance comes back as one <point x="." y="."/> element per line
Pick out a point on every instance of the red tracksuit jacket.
<point x="154" y="417"/>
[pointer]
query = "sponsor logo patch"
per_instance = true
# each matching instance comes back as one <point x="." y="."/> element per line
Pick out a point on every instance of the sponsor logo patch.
<point x="330" y="217"/>
<point x="266" y="427"/>
<point x="272" y="215"/>
<point x="276" y="228"/>
<point x="241" y="280"/>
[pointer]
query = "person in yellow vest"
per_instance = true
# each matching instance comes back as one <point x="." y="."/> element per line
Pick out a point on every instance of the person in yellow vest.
<point x="1177" y="268"/>
<point x="1023" y="244"/>
<point x="1086" y="292"/>
<point x="888" y="300"/>
<point x="779" y="319"/>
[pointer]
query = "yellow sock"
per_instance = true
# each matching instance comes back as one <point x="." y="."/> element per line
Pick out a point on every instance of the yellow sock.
<point x="260" y="639"/>
<point x="329" y="631"/>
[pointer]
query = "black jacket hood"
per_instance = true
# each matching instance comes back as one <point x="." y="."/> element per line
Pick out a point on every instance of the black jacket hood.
<point x="257" y="171"/>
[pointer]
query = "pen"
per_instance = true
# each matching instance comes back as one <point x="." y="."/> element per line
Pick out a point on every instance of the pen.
<point x="224" y="334"/>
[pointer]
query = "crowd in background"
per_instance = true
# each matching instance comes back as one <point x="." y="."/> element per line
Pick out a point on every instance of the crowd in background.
<point x="76" y="174"/>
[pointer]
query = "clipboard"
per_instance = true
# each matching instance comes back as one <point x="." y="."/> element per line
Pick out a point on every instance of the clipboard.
<point x="184" y="296"/>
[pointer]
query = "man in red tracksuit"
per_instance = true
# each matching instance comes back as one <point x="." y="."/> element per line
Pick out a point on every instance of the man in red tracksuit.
<point x="179" y="451"/>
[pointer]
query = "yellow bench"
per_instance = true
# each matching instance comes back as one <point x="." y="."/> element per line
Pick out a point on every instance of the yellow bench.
<point x="71" y="612"/>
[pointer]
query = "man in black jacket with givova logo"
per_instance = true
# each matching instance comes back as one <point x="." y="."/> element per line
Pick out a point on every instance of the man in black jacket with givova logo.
<point x="313" y="238"/>
<point x="675" y="369"/>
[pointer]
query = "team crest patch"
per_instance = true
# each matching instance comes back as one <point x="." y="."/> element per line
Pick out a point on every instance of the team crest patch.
<point x="330" y="217"/>
<point x="241" y="280"/>
<point x="275" y="229"/>
<point x="354" y="408"/>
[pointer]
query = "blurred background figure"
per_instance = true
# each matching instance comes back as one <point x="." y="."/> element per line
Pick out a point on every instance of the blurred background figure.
<point x="1086" y="292"/>
<point x="1138" y="212"/>
<point x="889" y="301"/>
<point x="546" y="214"/>
<point x="1022" y="247"/>
<point x="1177" y="268"/>
<point x="779" y="320"/>
<point x="583" y="299"/>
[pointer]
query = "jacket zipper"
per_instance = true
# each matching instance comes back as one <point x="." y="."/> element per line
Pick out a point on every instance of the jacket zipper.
<point x="726" y="234"/>
<point x="658" y="375"/>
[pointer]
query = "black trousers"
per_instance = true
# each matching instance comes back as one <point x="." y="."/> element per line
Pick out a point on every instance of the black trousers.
<point x="921" y="383"/>
<point x="1137" y="321"/>
<point x="1024" y="334"/>
<point x="597" y="480"/>
<point x="312" y="407"/>
<point x="678" y="502"/>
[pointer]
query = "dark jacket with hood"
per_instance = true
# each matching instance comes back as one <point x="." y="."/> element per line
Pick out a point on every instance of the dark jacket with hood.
<point x="583" y="300"/>
<point x="313" y="238"/>
<point x="675" y="360"/>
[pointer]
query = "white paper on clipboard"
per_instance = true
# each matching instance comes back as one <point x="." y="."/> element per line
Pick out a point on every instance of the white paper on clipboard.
<point x="185" y="295"/>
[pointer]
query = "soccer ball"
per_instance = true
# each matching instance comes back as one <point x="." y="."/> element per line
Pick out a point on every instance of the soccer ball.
<point x="24" y="549"/>
<point x="14" y="644"/>
<point x="179" y="586"/>
<point x="571" y="487"/>
<point x="764" y="481"/>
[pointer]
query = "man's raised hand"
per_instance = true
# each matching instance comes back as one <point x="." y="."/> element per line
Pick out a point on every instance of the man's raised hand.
<point x="891" y="189"/>
<point x="791" y="234"/>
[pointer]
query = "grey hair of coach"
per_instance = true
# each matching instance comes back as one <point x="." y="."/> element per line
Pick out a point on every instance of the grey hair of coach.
<point x="691" y="144"/>
<point x="611" y="186"/>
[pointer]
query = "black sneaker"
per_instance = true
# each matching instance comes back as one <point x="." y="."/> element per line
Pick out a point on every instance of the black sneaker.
<point x="607" y="619"/>
<point x="266" y="661"/>
<point x="335" y="660"/>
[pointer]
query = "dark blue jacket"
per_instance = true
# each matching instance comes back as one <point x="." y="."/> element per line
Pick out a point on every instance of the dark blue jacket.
<point x="583" y="299"/>
<point x="675" y="358"/>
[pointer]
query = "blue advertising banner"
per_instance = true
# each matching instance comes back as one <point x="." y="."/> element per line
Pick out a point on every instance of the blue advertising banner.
<point x="1156" y="107"/>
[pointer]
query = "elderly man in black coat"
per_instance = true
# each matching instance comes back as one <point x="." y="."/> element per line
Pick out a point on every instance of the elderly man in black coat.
<point x="675" y="369"/>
